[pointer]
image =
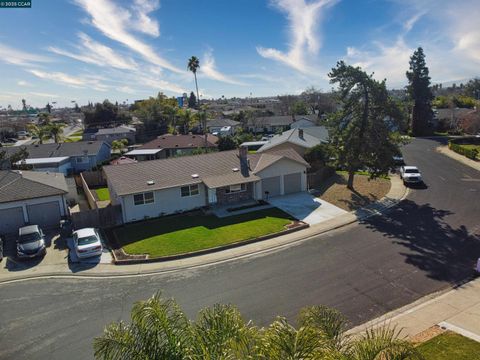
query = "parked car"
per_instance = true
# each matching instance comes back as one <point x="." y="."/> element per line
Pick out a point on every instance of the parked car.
<point x="410" y="175"/>
<point x="22" y="134"/>
<point x="87" y="243"/>
<point x="398" y="159"/>
<point x="30" y="242"/>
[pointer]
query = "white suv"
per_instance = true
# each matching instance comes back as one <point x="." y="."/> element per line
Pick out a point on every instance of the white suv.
<point x="410" y="175"/>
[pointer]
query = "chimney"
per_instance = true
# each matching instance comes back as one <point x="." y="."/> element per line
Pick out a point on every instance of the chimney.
<point x="242" y="154"/>
<point x="300" y="133"/>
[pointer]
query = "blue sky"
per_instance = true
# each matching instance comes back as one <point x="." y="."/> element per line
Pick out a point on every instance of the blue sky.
<point x="90" y="50"/>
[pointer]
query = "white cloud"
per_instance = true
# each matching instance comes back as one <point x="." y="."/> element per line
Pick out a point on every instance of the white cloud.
<point x="209" y="69"/>
<point x="13" y="56"/>
<point x="73" y="81"/>
<point x="115" y="23"/>
<point x="126" y="89"/>
<point x="93" y="52"/>
<point x="304" y="19"/>
<point x="143" y="22"/>
<point x="42" y="94"/>
<point x="23" y="83"/>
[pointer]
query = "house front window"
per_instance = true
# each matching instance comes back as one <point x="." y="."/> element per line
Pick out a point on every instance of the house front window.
<point x="235" y="188"/>
<point x="190" y="190"/>
<point x="144" y="198"/>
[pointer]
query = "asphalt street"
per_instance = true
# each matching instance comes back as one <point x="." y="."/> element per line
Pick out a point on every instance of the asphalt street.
<point x="428" y="243"/>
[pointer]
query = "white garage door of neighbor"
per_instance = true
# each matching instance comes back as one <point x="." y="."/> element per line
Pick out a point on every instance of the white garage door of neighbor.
<point x="272" y="185"/>
<point x="44" y="215"/>
<point x="292" y="183"/>
<point x="10" y="220"/>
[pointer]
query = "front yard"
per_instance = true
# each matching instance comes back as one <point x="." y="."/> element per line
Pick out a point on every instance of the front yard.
<point x="195" y="231"/>
<point x="334" y="190"/>
<point x="450" y="346"/>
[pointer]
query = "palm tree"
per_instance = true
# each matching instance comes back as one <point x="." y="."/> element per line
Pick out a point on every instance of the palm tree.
<point x="193" y="65"/>
<point x="160" y="330"/>
<point x="56" y="130"/>
<point x="202" y="119"/>
<point x="186" y="117"/>
<point x="41" y="132"/>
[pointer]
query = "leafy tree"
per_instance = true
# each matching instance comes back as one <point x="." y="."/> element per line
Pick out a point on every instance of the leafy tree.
<point x="299" y="108"/>
<point x="10" y="161"/>
<point x="104" y="114"/>
<point x="56" y="131"/>
<point x="192" y="101"/>
<point x="156" y="113"/>
<point x="42" y="132"/>
<point x="193" y="65"/>
<point x="462" y="101"/>
<point x="361" y="132"/>
<point x="160" y="330"/>
<point x="419" y="90"/>
<point x="185" y="119"/>
<point x="318" y="102"/>
<point x="226" y="143"/>
<point x="472" y="88"/>
<point x="119" y="144"/>
<point x="318" y="156"/>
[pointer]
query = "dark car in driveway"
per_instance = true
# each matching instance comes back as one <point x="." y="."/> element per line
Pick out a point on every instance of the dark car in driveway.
<point x="30" y="242"/>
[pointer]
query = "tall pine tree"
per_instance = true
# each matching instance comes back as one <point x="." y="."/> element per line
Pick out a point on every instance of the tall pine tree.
<point x="421" y="94"/>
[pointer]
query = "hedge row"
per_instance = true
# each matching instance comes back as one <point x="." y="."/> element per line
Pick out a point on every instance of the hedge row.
<point x="469" y="153"/>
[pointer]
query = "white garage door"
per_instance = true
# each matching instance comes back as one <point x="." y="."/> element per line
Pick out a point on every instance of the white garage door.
<point x="45" y="215"/>
<point x="292" y="183"/>
<point x="11" y="220"/>
<point x="272" y="185"/>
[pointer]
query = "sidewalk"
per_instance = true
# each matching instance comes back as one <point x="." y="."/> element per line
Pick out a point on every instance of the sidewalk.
<point x="463" y="159"/>
<point x="397" y="192"/>
<point x="457" y="310"/>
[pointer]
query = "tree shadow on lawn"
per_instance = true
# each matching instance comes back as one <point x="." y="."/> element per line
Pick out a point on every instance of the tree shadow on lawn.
<point x="134" y="232"/>
<point x="445" y="253"/>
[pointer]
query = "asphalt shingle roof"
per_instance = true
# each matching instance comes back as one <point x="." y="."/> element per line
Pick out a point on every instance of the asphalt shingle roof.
<point x="222" y="122"/>
<point x="78" y="148"/>
<point x="169" y="141"/>
<point x="23" y="185"/>
<point x="292" y="136"/>
<point x="213" y="169"/>
<point x="116" y="130"/>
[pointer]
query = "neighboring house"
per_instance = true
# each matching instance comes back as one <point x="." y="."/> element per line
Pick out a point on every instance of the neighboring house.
<point x="169" y="145"/>
<point x="111" y="134"/>
<point x="273" y="124"/>
<point x="297" y="139"/>
<point x="160" y="187"/>
<point x="122" y="160"/>
<point x="30" y="197"/>
<point x="303" y="122"/>
<point x="216" y="125"/>
<point x="66" y="158"/>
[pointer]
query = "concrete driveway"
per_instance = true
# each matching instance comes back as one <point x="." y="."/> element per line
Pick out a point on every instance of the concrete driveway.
<point x="306" y="207"/>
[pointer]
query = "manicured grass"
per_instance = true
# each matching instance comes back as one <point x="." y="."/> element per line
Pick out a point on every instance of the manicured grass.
<point x="449" y="346"/>
<point x="471" y="146"/>
<point x="196" y="231"/>
<point x="103" y="194"/>
<point x="73" y="139"/>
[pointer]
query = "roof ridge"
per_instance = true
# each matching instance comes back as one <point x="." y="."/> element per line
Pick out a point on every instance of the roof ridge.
<point x="41" y="183"/>
<point x="14" y="180"/>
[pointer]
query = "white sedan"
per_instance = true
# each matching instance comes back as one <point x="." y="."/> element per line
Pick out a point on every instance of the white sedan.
<point x="410" y="175"/>
<point x="87" y="243"/>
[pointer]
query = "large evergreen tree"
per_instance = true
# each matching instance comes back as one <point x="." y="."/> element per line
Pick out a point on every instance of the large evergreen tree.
<point x="363" y="133"/>
<point x="192" y="100"/>
<point x="420" y="92"/>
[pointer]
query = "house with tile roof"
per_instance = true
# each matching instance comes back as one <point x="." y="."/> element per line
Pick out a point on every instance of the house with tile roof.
<point x="169" y="145"/>
<point x="160" y="187"/>
<point x="66" y="158"/>
<point x="30" y="197"/>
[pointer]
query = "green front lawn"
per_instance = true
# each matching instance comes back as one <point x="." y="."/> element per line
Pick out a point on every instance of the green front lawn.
<point x="449" y="346"/>
<point x="195" y="231"/>
<point x="470" y="147"/>
<point x="103" y="194"/>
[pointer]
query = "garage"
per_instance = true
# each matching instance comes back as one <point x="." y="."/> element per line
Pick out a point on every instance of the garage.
<point x="292" y="183"/>
<point x="272" y="185"/>
<point x="45" y="215"/>
<point x="11" y="220"/>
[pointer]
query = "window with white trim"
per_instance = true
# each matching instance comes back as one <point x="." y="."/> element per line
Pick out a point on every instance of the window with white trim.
<point x="144" y="198"/>
<point x="190" y="190"/>
<point x="236" y="188"/>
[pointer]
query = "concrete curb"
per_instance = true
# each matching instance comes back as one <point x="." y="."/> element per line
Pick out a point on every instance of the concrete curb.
<point x="460" y="158"/>
<point x="397" y="193"/>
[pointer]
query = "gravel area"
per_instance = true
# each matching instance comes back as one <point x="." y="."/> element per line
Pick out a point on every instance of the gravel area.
<point x="334" y="191"/>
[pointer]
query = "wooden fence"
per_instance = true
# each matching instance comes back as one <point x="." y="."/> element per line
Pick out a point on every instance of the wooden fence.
<point x="315" y="179"/>
<point x="94" y="178"/>
<point x="90" y="198"/>
<point x="99" y="217"/>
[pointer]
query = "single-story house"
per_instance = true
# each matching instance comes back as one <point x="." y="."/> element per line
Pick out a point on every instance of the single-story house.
<point x="169" y="145"/>
<point x="297" y="139"/>
<point x="66" y="158"/>
<point x="216" y="125"/>
<point x="303" y="122"/>
<point x="161" y="187"/>
<point x="111" y="134"/>
<point x="273" y="124"/>
<point x="31" y="197"/>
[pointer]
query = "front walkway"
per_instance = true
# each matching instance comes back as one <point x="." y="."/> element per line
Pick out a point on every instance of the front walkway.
<point x="307" y="208"/>
<point x="457" y="310"/>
